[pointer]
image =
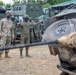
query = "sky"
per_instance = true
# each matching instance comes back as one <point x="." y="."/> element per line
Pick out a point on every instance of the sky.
<point x="7" y="1"/>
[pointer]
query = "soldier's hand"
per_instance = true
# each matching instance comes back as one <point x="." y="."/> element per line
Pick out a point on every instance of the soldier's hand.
<point x="18" y="23"/>
<point x="0" y="35"/>
<point x="13" y="38"/>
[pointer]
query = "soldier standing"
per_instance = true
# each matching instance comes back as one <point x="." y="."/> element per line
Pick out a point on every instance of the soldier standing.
<point x="14" y="28"/>
<point x="37" y="30"/>
<point x="25" y="36"/>
<point x="7" y="33"/>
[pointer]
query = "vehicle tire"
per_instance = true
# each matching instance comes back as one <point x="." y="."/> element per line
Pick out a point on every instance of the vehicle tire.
<point x="59" y="29"/>
<point x="49" y="22"/>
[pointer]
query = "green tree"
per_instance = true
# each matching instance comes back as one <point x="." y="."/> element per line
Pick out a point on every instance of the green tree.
<point x="1" y="3"/>
<point x="16" y="2"/>
<point x="8" y="5"/>
<point x="46" y="5"/>
<point x="52" y="2"/>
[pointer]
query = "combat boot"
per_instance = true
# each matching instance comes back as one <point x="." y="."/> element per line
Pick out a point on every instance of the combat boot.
<point x="21" y="50"/>
<point x="27" y="48"/>
<point x="0" y="56"/>
<point x="6" y="55"/>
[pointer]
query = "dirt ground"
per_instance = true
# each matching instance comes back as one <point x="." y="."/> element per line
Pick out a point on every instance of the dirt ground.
<point x="40" y="63"/>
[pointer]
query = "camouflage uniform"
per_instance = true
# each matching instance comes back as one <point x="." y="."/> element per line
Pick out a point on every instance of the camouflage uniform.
<point x="37" y="31"/>
<point x="14" y="30"/>
<point x="25" y="36"/>
<point x="7" y="31"/>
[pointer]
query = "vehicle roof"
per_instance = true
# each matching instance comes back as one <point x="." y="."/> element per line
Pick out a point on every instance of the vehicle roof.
<point x="66" y="12"/>
<point x="64" y="3"/>
<point x="69" y="10"/>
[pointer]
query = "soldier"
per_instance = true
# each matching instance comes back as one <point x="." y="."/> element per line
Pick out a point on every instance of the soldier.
<point x="25" y="36"/>
<point x="14" y="28"/>
<point x="7" y="33"/>
<point x="26" y="32"/>
<point x="37" y="30"/>
<point x="31" y="20"/>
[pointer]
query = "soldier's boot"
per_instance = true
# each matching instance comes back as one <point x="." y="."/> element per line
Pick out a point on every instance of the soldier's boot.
<point x="27" y="55"/>
<point x="21" y="50"/>
<point x="0" y="56"/>
<point x="6" y="55"/>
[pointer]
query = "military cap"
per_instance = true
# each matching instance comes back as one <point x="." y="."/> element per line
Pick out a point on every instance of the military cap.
<point x="7" y="12"/>
<point x="25" y="16"/>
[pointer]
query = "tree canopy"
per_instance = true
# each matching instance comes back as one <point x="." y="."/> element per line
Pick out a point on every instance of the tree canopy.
<point x="52" y="2"/>
<point x="2" y="3"/>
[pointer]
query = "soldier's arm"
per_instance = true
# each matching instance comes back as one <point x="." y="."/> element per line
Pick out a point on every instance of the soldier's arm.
<point x="13" y="31"/>
<point x="1" y="25"/>
<point x="1" y="28"/>
<point x="20" y="25"/>
<point x="33" y="24"/>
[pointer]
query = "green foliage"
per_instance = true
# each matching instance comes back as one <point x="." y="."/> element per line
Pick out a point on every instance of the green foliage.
<point x="46" y="5"/>
<point x="8" y="5"/>
<point x="33" y="0"/>
<point x="16" y="2"/>
<point x="1" y="3"/>
<point x="53" y="2"/>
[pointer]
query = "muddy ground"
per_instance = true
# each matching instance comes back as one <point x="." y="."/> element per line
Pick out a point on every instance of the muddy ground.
<point x="40" y="62"/>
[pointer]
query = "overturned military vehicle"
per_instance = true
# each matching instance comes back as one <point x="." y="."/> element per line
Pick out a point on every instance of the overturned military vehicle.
<point x="60" y="35"/>
<point x="62" y="27"/>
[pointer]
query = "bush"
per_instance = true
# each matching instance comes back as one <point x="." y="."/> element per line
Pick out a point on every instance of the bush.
<point x="46" y="5"/>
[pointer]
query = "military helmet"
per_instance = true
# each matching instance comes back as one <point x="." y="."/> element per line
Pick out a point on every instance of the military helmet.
<point x="7" y="12"/>
<point x="25" y="16"/>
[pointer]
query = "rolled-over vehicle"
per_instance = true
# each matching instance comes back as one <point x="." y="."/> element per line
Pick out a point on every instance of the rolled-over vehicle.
<point x="2" y="12"/>
<point x="58" y="26"/>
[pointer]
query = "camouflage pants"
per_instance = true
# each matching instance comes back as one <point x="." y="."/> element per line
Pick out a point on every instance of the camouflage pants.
<point x="5" y="41"/>
<point x="25" y="39"/>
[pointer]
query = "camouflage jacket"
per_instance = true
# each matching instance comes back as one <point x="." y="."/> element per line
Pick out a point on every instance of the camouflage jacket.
<point x="6" y="27"/>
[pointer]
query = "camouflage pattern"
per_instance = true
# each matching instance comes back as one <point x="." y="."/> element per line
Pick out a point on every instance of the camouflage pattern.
<point x="37" y="30"/>
<point x="25" y="35"/>
<point x="27" y="30"/>
<point x="14" y="30"/>
<point x="7" y="32"/>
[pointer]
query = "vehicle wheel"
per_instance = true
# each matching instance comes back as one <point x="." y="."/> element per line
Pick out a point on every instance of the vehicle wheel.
<point x="59" y="29"/>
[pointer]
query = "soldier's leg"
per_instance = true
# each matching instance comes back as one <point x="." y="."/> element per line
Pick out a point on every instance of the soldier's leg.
<point x="21" y="50"/>
<point x="27" y="48"/>
<point x="6" y="54"/>
<point x="27" y="41"/>
<point x="8" y="42"/>
<point x="2" y="43"/>
<point x="1" y="52"/>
